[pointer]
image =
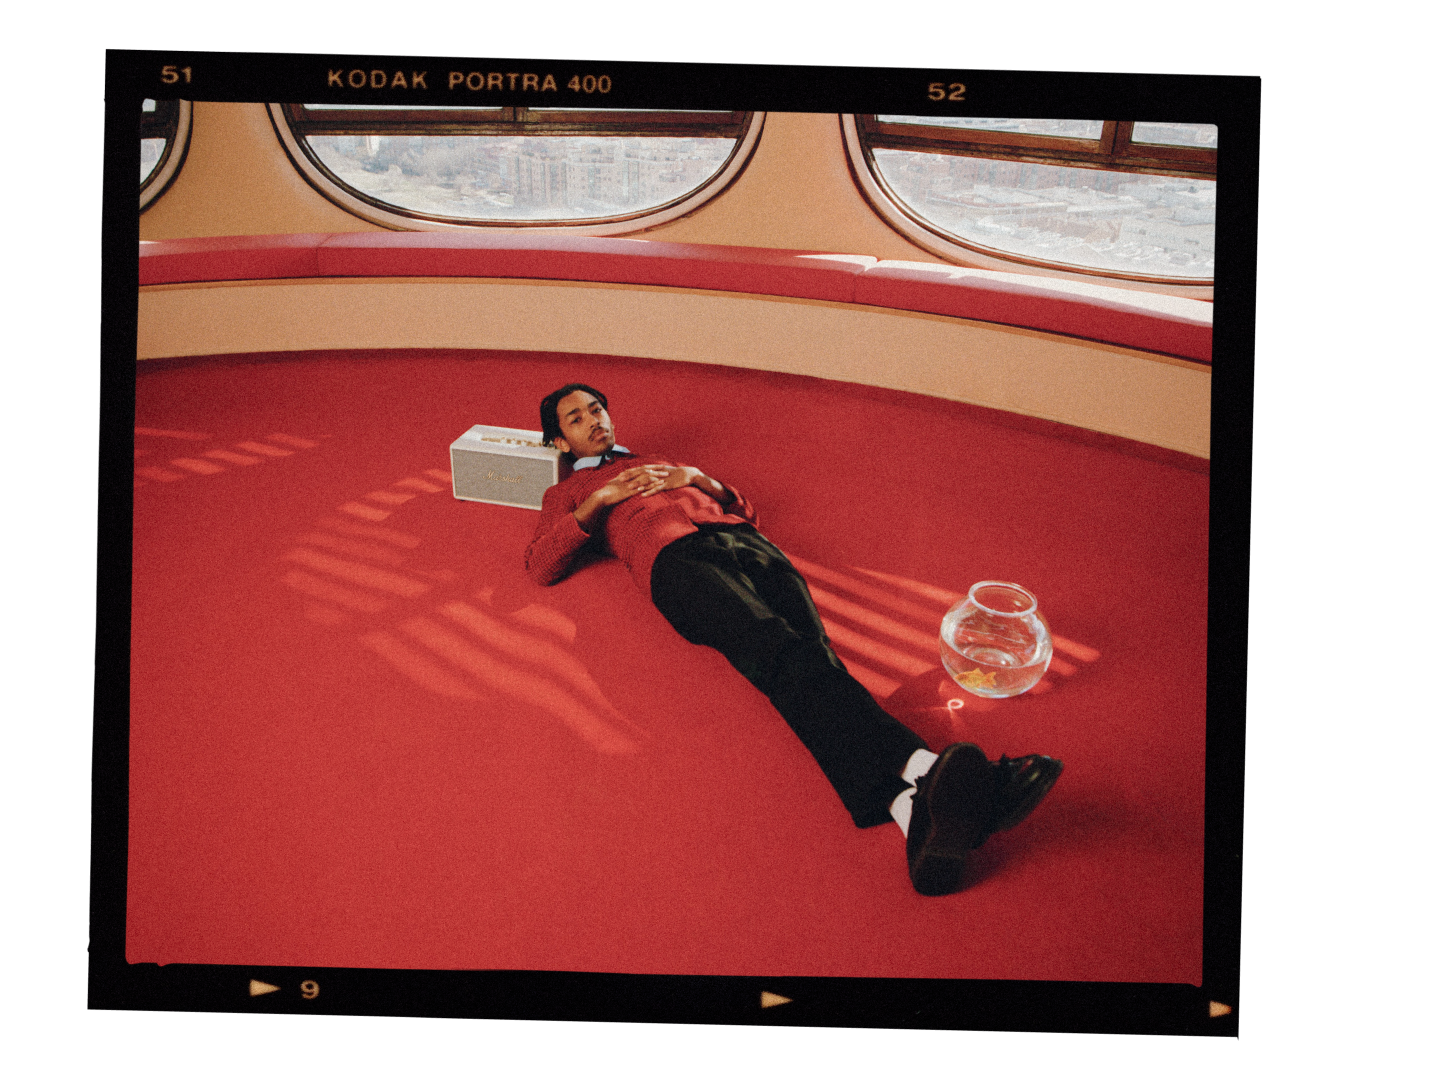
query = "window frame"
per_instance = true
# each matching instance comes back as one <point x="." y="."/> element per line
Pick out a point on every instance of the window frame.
<point x="1114" y="151"/>
<point x="174" y="128"/>
<point x="293" y="124"/>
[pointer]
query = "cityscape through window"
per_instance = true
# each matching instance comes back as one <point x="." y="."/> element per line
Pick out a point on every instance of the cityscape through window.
<point x="1128" y="222"/>
<point x="521" y="178"/>
<point x="1131" y="198"/>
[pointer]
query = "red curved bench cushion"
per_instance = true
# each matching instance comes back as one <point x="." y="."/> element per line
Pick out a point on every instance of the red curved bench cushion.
<point x="230" y="258"/>
<point x="1139" y="320"/>
<point x="810" y="275"/>
<point x="1155" y="323"/>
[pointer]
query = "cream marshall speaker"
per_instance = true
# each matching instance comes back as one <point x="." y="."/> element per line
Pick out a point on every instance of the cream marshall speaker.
<point x="502" y="465"/>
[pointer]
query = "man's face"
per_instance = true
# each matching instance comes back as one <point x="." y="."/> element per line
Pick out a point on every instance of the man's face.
<point x="585" y="428"/>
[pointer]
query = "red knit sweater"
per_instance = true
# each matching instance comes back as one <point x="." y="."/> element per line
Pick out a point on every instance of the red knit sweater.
<point x="633" y="531"/>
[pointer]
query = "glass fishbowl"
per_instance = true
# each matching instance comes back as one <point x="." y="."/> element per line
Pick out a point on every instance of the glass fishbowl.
<point x="995" y="643"/>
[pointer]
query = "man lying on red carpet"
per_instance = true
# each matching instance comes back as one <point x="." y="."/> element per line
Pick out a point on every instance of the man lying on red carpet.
<point x="691" y="544"/>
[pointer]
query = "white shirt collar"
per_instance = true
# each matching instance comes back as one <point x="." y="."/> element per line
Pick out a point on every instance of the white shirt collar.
<point x="592" y="462"/>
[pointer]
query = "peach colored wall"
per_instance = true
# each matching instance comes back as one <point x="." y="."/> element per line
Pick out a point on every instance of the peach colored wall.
<point x="238" y="181"/>
<point x="1100" y="387"/>
<point x="796" y="192"/>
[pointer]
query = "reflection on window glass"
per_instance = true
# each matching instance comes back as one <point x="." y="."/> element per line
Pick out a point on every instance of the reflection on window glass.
<point x="520" y="178"/>
<point x="1207" y="135"/>
<point x="151" y="150"/>
<point x="1161" y="226"/>
<point x="1069" y="129"/>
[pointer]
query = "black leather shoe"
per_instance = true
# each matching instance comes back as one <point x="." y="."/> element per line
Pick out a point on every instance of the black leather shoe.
<point x="1020" y="784"/>
<point x="953" y="811"/>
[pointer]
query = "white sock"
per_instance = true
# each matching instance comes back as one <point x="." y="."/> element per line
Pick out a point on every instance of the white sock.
<point x="918" y="765"/>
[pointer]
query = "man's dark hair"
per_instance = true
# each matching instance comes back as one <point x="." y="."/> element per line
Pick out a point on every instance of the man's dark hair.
<point x="550" y="409"/>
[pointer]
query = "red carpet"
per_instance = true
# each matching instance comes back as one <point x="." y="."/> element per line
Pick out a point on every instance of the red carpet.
<point x="362" y="738"/>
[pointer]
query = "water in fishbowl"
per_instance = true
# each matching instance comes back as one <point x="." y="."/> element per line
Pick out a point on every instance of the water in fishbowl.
<point x="990" y="662"/>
